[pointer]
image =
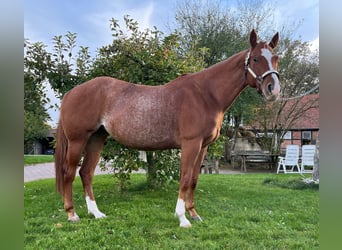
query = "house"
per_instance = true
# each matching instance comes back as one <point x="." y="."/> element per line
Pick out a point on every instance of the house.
<point x="299" y="117"/>
<point x="44" y="145"/>
<point x="305" y="128"/>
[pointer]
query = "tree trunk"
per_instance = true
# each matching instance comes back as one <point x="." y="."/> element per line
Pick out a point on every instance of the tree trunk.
<point x="237" y="122"/>
<point x="315" y="172"/>
<point x="217" y="165"/>
<point x="151" y="169"/>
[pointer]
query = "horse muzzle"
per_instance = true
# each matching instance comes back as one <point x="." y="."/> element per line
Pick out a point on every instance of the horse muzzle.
<point x="271" y="89"/>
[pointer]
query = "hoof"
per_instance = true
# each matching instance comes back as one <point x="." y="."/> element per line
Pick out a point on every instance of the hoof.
<point x="185" y="224"/>
<point x="197" y="218"/>
<point x="97" y="214"/>
<point x="100" y="215"/>
<point x="74" y="218"/>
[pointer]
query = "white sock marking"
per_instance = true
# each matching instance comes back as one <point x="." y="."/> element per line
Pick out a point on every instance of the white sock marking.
<point x="92" y="208"/>
<point x="180" y="213"/>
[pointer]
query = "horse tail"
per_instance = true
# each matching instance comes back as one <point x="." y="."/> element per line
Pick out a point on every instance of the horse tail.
<point x="60" y="157"/>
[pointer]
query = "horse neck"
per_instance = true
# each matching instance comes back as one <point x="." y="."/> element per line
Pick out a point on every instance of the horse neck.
<point x="225" y="80"/>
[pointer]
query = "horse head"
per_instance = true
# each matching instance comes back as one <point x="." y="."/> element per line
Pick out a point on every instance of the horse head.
<point x="261" y="65"/>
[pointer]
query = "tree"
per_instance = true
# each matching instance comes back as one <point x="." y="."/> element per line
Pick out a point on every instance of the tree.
<point x="144" y="57"/>
<point x="206" y="25"/>
<point x="67" y="70"/>
<point x="216" y="150"/>
<point x="61" y="69"/>
<point x="35" y="114"/>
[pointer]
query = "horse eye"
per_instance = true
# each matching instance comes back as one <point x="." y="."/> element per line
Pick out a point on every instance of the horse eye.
<point x="255" y="59"/>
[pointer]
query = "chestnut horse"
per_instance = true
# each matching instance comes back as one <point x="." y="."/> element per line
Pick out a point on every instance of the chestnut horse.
<point x="185" y="113"/>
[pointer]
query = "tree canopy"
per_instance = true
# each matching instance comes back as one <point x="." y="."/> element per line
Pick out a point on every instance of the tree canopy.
<point x="35" y="98"/>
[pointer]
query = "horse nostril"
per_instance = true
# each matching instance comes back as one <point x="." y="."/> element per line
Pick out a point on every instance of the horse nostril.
<point x="270" y="87"/>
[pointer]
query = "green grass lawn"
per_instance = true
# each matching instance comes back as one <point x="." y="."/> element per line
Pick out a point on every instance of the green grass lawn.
<point x="35" y="159"/>
<point x="251" y="211"/>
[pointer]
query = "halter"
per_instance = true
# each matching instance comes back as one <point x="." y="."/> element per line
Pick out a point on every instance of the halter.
<point x="259" y="79"/>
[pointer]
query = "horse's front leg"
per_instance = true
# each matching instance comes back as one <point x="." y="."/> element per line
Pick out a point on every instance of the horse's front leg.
<point x="190" y="204"/>
<point x="190" y="153"/>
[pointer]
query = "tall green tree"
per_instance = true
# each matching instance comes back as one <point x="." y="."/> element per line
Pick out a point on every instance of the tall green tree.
<point x="61" y="69"/>
<point x="68" y="67"/>
<point x="206" y="24"/>
<point x="36" y="61"/>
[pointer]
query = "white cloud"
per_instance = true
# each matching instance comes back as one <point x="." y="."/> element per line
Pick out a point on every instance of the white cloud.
<point x="314" y="45"/>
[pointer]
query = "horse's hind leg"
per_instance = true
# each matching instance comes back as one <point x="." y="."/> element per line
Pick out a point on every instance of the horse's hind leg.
<point x="74" y="153"/>
<point x="91" y="158"/>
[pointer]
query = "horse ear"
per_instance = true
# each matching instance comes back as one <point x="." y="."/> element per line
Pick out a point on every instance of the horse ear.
<point x="274" y="42"/>
<point x="253" y="38"/>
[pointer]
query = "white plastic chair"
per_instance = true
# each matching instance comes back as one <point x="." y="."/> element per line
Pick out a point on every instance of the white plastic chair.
<point x="290" y="160"/>
<point x="308" y="155"/>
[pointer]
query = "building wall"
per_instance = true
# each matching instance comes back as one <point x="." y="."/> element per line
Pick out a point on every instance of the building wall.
<point x="297" y="138"/>
<point x="242" y="144"/>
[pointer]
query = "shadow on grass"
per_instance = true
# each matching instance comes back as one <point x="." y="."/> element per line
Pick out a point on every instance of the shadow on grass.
<point x="297" y="184"/>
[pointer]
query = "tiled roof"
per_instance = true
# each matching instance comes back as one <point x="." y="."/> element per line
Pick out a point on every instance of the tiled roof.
<point x="310" y="118"/>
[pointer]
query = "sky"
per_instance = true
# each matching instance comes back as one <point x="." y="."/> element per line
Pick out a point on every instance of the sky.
<point x="44" y="19"/>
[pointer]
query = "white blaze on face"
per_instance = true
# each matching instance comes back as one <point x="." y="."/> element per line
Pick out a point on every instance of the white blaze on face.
<point x="268" y="56"/>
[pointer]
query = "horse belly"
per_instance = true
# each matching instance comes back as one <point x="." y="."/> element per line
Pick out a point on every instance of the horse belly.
<point x="143" y="131"/>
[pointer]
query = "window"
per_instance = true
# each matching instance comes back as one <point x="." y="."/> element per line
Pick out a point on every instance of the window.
<point x="306" y="135"/>
<point x="288" y="135"/>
